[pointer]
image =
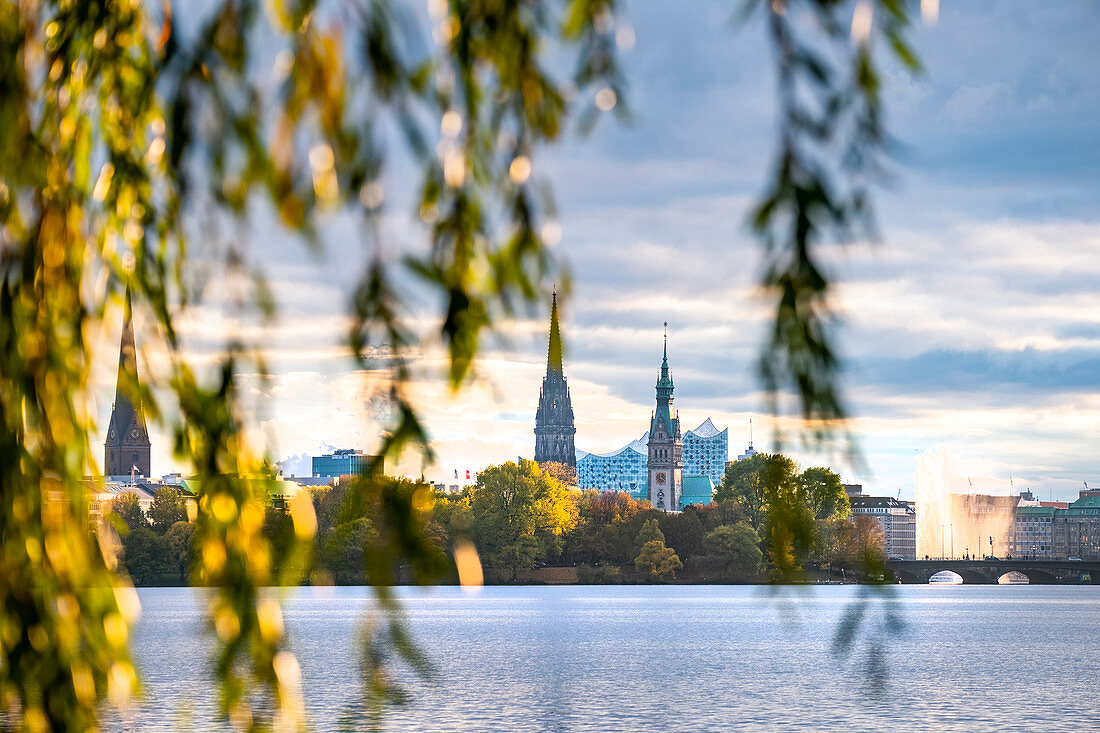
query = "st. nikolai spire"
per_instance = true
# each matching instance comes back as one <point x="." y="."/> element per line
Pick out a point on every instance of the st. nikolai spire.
<point x="554" y="428"/>
<point x="554" y="353"/>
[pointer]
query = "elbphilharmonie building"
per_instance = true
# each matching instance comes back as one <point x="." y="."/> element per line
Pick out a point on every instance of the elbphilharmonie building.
<point x="706" y="450"/>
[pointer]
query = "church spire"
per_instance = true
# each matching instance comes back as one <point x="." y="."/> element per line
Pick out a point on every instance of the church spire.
<point x="554" y="429"/>
<point x="553" y="353"/>
<point x="127" y="351"/>
<point x="127" y="449"/>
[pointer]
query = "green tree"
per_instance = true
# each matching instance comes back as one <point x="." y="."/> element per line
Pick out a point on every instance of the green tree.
<point x="167" y="509"/>
<point x="650" y="532"/>
<point x="746" y="482"/>
<point x="683" y="531"/>
<point x="146" y="556"/>
<point x="737" y="549"/>
<point x="519" y="515"/>
<point x="127" y="508"/>
<point x="657" y="560"/>
<point x="342" y="554"/>
<point x="180" y="538"/>
<point x="824" y="493"/>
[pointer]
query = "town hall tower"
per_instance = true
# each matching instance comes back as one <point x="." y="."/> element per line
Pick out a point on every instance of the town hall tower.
<point x="666" y="447"/>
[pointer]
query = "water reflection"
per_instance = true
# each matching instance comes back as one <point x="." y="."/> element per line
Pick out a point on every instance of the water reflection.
<point x="658" y="658"/>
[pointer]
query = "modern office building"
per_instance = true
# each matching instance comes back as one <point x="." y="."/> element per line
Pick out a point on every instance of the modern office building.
<point x="1033" y="531"/>
<point x="341" y="463"/>
<point x="897" y="518"/>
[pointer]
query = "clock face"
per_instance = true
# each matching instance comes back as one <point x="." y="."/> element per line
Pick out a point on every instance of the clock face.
<point x="135" y="433"/>
<point x="660" y="477"/>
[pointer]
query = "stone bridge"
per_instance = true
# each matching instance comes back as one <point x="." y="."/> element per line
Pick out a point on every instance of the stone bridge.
<point x="1040" y="572"/>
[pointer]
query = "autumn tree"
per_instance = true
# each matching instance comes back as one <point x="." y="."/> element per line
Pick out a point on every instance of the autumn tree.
<point x="650" y="532"/>
<point x="519" y="515"/>
<point x="561" y="471"/>
<point x="605" y="531"/>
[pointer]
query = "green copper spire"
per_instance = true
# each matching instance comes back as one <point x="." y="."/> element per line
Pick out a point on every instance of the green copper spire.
<point x="553" y="355"/>
<point x="665" y="379"/>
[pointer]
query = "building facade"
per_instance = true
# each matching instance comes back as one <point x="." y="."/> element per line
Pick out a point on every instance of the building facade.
<point x="665" y="465"/>
<point x="1075" y="530"/>
<point x="126" y="451"/>
<point x="346" y="462"/>
<point x="698" y="490"/>
<point x="626" y="469"/>
<point x="554" y="428"/>
<point x="620" y="470"/>
<point x="1033" y="531"/>
<point x="897" y="518"/>
<point x="706" y="450"/>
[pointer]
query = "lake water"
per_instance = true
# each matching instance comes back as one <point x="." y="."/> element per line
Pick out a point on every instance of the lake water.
<point x="669" y="658"/>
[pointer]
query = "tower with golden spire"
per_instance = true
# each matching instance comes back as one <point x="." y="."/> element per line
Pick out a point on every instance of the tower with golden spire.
<point x="554" y="429"/>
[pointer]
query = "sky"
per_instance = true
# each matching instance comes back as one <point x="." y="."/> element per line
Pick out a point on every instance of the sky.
<point x="971" y="330"/>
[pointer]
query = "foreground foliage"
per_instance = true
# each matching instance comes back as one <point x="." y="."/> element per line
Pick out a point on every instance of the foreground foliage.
<point x="126" y="128"/>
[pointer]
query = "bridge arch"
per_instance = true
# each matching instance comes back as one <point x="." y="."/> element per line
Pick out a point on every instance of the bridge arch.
<point x="1013" y="577"/>
<point x="969" y="576"/>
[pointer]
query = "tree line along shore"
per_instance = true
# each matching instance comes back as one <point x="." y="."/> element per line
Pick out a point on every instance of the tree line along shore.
<point x="528" y="525"/>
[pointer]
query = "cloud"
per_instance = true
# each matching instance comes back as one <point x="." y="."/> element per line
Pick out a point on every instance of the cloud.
<point x="970" y="104"/>
<point x="974" y="324"/>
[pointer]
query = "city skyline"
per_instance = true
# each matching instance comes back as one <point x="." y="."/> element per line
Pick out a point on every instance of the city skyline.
<point x="971" y="329"/>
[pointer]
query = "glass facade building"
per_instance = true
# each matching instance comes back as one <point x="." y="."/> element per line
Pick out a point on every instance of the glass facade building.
<point x="620" y="470"/>
<point x="341" y="463"/>
<point x="706" y="450"/>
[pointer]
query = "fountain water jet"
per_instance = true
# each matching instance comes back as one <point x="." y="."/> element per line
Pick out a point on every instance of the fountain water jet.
<point x="951" y="521"/>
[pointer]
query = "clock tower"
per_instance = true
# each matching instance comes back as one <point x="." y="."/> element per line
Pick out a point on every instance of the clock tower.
<point x="127" y="448"/>
<point x="666" y="447"/>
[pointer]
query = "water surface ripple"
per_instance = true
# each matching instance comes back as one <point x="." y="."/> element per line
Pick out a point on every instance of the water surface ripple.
<point x="666" y="658"/>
